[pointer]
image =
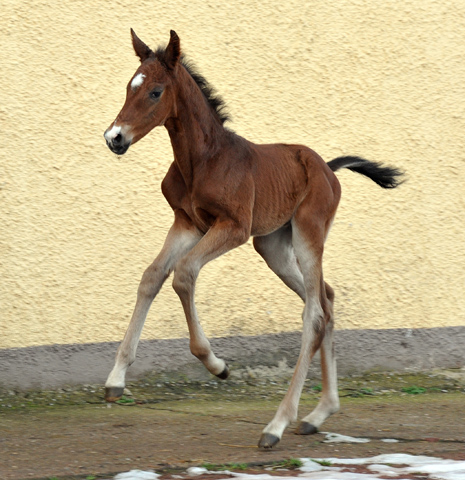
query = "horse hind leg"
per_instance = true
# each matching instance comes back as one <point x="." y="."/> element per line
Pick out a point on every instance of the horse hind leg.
<point x="329" y="401"/>
<point x="278" y="252"/>
<point x="307" y="240"/>
<point x="276" y="249"/>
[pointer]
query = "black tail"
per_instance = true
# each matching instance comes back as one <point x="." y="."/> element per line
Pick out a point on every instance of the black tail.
<point x="386" y="177"/>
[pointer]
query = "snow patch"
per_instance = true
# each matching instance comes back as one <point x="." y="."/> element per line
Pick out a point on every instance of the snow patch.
<point x="435" y="468"/>
<point x="379" y="466"/>
<point x="310" y="466"/>
<point x="337" y="476"/>
<point x="137" y="475"/>
<point x="337" y="438"/>
<point x="194" y="471"/>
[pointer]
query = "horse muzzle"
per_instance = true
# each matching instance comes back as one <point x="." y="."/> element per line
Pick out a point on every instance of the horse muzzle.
<point x="118" y="148"/>
<point x="116" y="140"/>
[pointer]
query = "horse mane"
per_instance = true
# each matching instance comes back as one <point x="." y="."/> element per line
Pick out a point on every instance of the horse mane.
<point x="215" y="101"/>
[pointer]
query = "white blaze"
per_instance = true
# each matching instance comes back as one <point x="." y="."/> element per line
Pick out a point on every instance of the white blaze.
<point x="137" y="81"/>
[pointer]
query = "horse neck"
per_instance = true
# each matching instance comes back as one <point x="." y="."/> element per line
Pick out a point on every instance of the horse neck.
<point x="195" y="130"/>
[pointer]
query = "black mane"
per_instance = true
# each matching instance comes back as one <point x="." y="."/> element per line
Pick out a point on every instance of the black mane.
<point x="215" y="101"/>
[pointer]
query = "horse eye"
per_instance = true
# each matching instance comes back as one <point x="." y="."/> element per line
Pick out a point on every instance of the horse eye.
<point x="156" y="94"/>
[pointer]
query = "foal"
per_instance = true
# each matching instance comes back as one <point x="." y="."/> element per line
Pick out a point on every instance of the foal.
<point x="224" y="189"/>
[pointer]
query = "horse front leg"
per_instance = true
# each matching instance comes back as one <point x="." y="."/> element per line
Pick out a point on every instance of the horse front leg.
<point x="180" y="239"/>
<point x="222" y="237"/>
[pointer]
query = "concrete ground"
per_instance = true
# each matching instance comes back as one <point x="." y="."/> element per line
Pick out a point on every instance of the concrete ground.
<point x="167" y="424"/>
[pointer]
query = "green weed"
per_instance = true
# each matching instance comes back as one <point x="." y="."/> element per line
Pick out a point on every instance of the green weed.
<point x="291" y="464"/>
<point x="367" y="391"/>
<point x="413" y="390"/>
<point x="125" y="401"/>
<point x="323" y="463"/>
<point x="237" y="466"/>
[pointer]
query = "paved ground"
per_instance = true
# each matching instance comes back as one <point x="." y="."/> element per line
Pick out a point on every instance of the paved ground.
<point x="172" y="425"/>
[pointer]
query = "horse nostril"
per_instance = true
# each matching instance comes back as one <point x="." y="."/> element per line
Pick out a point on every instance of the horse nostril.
<point x="118" y="139"/>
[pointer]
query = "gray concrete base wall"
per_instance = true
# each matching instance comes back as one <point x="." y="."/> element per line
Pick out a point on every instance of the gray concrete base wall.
<point x="358" y="351"/>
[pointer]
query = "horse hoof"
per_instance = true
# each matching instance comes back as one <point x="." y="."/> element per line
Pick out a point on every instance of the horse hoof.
<point x="268" y="441"/>
<point x="305" y="428"/>
<point x="112" y="394"/>
<point x="224" y="374"/>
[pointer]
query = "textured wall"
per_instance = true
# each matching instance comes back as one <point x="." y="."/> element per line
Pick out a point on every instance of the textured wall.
<point x="79" y="225"/>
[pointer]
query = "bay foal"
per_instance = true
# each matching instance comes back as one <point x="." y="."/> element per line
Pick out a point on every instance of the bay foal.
<point x="224" y="189"/>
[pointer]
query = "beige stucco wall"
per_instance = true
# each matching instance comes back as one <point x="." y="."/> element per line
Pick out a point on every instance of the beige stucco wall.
<point x="384" y="80"/>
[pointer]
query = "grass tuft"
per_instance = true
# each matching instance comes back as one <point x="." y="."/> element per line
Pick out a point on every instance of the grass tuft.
<point x="291" y="464"/>
<point x="125" y="401"/>
<point x="413" y="390"/>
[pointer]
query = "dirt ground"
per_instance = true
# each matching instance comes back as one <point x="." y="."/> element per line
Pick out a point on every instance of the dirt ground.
<point x="168" y="426"/>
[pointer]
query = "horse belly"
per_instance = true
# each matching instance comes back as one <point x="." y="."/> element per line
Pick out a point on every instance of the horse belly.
<point x="281" y="183"/>
<point x="272" y="213"/>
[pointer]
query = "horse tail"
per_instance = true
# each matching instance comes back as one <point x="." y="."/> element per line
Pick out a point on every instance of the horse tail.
<point x="384" y="176"/>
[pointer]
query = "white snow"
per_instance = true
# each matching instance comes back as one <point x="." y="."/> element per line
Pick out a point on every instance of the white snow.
<point x="337" y="438"/>
<point x="435" y="468"/>
<point x="311" y="466"/>
<point x="381" y="465"/>
<point x="137" y="475"/>
<point x="194" y="471"/>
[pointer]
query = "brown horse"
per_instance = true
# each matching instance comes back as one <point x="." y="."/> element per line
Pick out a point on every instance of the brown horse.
<point x="224" y="189"/>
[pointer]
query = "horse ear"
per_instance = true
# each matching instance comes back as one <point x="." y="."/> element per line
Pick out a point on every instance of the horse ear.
<point x="173" y="51"/>
<point x="141" y="49"/>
